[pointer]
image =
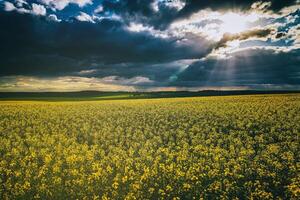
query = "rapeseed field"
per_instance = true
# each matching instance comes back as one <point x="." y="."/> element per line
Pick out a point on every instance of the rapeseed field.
<point x="235" y="147"/>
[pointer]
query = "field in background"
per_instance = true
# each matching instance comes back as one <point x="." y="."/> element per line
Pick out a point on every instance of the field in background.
<point x="98" y="95"/>
<point x="177" y="148"/>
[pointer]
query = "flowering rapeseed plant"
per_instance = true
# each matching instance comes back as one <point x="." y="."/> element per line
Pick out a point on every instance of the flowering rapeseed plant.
<point x="242" y="147"/>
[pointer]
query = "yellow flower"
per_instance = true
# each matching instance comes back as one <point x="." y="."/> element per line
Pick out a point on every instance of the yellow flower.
<point x="115" y="185"/>
<point x="186" y="186"/>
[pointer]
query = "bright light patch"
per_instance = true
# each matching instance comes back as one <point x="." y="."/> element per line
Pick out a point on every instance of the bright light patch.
<point x="236" y="23"/>
<point x="215" y="24"/>
<point x="232" y="23"/>
<point x="233" y="44"/>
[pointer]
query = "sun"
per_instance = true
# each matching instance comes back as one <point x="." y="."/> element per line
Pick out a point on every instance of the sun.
<point x="233" y="23"/>
<point x="230" y="22"/>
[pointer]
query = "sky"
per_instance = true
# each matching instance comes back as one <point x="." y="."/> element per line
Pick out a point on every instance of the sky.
<point x="149" y="45"/>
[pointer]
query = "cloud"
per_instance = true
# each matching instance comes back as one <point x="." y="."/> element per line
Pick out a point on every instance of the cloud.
<point x="68" y="47"/>
<point x="98" y="9"/>
<point x="71" y="83"/>
<point x="9" y="6"/>
<point x="86" y="72"/>
<point x="160" y="14"/>
<point x="148" y="44"/>
<point x="294" y="34"/>
<point x="38" y="9"/>
<point x="61" y="4"/>
<point x="158" y="73"/>
<point x="134" y="81"/>
<point x="255" y="33"/>
<point x="175" y="4"/>
<point x="84" y="17"/>
<point x="151" y="12"/>
<point x="136" y="27"/>
<point x="253" y="67"/>
<point x="261" y="5"/>
<point x="280" y="35"/>
<point x="54" y="18"/>
<point x="193" y="6"/>
<point x="35" y="9"/>
<point x="21" y="3"/>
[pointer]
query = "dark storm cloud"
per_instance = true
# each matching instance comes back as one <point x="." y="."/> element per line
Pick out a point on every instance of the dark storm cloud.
<point x="32" y="45"/>
<point x="131" y="41"/>
<point x="142" y="10"/>
<point x="244" y="68"/>
<point x="159" y="72"/>
<point x="195" y="5"/>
